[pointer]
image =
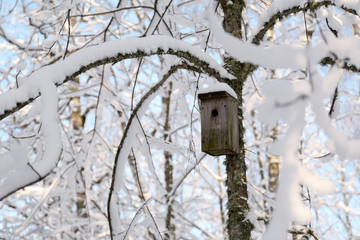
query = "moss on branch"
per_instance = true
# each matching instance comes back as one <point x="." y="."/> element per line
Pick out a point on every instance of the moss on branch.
<point x="204" y="66"/>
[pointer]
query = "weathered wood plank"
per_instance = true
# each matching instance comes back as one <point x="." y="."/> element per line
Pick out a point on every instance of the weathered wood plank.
<point x="219" y="124"/>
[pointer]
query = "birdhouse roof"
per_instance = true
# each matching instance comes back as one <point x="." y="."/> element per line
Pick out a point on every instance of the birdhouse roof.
<point x="218" y="87"/>
<point x="213" y="95"/>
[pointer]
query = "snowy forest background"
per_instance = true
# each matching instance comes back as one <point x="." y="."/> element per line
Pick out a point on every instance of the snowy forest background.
<point x="100" y="122"/>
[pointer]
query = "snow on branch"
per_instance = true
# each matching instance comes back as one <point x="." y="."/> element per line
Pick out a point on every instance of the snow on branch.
<point x="31" y="173"/>
<point x="285" y="8"/>
<point x="108" y="52"/>
<point x="44" y="81"/>
<point x="288" y="56"/>
<point x="339" y="142"/>
<point x="279" y="10"/>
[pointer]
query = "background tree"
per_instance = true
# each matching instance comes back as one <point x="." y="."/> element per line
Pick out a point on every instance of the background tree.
<point x="100" y="131"/>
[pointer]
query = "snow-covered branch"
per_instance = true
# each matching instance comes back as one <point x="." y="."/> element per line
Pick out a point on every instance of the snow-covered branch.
<point x="113" y="129"/>
<point x="42" y="83"/>
<point x="280" y="10"/>
<point x="108" y="52"/>
<point x="283" y="9"/>
<point x="30" y="173"/>
<point x="287" y="56"/>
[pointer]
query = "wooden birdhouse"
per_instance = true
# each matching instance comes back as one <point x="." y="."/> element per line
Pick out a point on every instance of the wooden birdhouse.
<point x="219" y="123"/>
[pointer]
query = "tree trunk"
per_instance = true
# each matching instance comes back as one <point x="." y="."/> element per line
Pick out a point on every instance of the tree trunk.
<point x="168" y="171"/>
<point x="237" y="226"/>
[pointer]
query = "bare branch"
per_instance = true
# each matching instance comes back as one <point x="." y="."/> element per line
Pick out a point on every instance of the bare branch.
<point x="68" y="39"/>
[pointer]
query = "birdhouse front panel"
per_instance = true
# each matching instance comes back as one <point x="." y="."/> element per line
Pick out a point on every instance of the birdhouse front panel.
<point x="219" y="124"/>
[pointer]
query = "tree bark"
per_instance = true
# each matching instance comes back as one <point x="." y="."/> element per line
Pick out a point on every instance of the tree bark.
<point x="168" y="171"/>
<point x="238" y="226"/>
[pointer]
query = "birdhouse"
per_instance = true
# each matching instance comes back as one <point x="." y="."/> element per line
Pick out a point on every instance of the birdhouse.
<point x="219" y="123"/>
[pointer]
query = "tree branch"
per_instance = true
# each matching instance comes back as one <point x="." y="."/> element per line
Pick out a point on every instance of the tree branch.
<point x="114" y="11"/>
<point x="296" y="9"/>
<point x="280" y="15"/>
<point x="346" y="65"/>
<point x="195" y="60"/>
<point x="333" y="102"/>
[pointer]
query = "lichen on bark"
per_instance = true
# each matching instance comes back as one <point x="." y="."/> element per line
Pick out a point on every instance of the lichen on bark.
<point x="238" y="226"/>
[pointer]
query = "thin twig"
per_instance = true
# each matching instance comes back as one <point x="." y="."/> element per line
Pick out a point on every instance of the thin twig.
<point x="16" y="78"/>
<point x="134" y="219"/>
<point x="68" y="39"/>
<point x="161" y="18"/>
<point x="44" y="197"/>
<point x="153" y="220"/>
<point x="112" y="11"/>
<point x="135" y="82"/>
<point x="142" y="196"/>
<point x="333" y="102"/>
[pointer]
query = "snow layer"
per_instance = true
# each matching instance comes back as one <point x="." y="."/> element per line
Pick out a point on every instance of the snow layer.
<point x="275" y="7"/>
<point x="24" y="173"/>
<point x="218" y="87"/>
<point x="350" y="4"/>
<point x="57" y="72"/>
<point x="272" y="56"/>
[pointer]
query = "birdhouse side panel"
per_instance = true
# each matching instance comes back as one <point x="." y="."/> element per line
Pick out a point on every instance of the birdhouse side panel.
<point x="232" y="125"/>
<point x="217" y="135"/>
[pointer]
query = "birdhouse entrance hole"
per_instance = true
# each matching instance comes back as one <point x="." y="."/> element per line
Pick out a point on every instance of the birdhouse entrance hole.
<point x="219" y="123"/>
<point x="214" y="112"/>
